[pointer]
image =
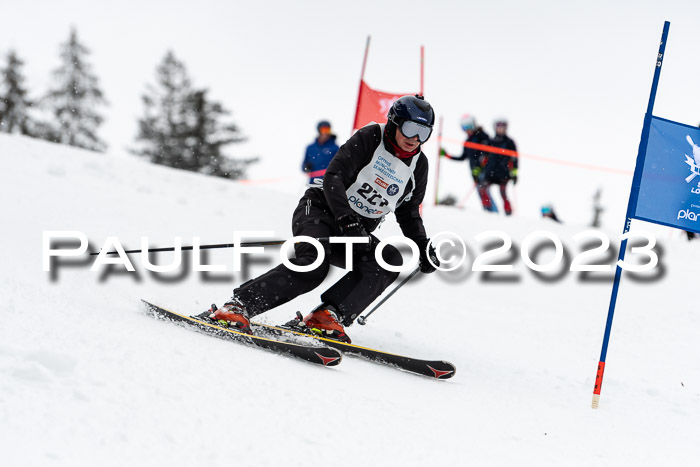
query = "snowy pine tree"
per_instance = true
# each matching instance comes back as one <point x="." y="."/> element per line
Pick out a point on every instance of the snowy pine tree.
<point x="210" y="135"/>
<point x="182" y="128"/>
<point x="74" y="100"/>
<point x="14" y="102"/>
<point x="163" y="129"/>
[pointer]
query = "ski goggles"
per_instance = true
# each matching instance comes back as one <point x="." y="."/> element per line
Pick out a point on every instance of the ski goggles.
<point x="410" y="129"/>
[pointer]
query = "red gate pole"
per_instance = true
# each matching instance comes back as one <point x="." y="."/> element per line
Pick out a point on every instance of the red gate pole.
<point x="359" y="92"/>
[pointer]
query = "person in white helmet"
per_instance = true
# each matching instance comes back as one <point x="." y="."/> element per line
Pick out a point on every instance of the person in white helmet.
<point x="475" y="135"/>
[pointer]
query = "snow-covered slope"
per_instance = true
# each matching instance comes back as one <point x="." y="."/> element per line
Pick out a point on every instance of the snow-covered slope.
<point x="87" y="378"/>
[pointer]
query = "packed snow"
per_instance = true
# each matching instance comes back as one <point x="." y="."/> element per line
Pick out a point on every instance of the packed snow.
<point x="87" y="377"/>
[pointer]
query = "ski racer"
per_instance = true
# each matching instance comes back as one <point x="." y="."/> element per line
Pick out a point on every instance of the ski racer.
<point x="380" y="169"/>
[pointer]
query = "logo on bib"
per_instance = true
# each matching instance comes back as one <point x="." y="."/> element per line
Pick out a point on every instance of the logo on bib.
<point x="381" y="182"/>
<point x="364" y="207"/>
<point x="392" y="190"/>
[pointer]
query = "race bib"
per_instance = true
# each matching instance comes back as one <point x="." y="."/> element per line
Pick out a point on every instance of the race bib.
<point x="381" y="183"/>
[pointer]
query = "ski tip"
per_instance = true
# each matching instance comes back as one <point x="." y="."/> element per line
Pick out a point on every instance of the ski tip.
<point x="146" y="304"/>
<point x="329" y="358"/>
<point x="150" y="308"/>
<point x="443" y="370"/>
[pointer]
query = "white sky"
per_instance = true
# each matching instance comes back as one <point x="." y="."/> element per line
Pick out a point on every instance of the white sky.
<point x="573" y="78"/>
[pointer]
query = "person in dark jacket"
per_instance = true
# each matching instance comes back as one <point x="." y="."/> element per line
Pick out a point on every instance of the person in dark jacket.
<point x="319" y="153"/>
<point x="498" y="168"/>
<point x="475" y="134"/>
<point x="380" y="169"/>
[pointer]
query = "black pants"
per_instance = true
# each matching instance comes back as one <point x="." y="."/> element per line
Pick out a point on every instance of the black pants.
<point x="349" y="296"/>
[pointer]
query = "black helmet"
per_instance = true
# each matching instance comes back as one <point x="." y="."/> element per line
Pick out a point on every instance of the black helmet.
<point x="414" y="109"/>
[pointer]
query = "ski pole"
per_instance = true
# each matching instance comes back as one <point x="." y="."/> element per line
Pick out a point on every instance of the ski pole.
<point x="363" y="319"/>
<point x="208" y="247"/>
<point x="466" y="197"/>
<point x="437" y="171"/>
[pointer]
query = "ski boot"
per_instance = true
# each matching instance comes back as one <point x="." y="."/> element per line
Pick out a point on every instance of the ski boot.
<point x="232" y="314"/>
<point x="322" y="322"/>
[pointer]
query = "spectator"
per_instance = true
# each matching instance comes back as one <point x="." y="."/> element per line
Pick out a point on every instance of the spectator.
<point x="498" y="168"/>
<point x="477" y="135"/>
<point x="319" y="153"/>
<point x="548" y="211"/>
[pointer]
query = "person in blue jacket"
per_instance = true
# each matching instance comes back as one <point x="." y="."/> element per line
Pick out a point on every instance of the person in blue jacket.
<point x="319" y="153"/>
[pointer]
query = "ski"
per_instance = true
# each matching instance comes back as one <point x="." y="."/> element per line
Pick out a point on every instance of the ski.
<point x="438" y="369"/>
<point x="322" y="355"/>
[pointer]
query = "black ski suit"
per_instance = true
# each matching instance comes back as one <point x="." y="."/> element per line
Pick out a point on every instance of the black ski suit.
<point x="496" y="170"/>
<point x="474" y="155"/>
<point x="316" y="216"/>
<point x="497" y="167"/>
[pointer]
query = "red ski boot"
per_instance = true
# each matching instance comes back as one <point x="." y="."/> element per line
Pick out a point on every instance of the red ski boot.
<point x="507" y="207"/>
<point x="324" y="322"/>
<point x="233" y="313"/>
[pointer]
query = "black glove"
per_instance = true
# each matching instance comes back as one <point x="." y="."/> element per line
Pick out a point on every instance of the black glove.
<point x="351" y="226"/>
<point x="425" y="253"/>
<point x="307" y="167"/>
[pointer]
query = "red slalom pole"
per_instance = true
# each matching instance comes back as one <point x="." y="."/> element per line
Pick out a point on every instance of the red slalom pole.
<point x="359" y="92"/>
<point x="422" y="60"/>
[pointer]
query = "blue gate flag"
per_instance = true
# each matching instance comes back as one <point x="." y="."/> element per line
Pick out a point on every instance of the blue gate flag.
<point x="669" y="192"/>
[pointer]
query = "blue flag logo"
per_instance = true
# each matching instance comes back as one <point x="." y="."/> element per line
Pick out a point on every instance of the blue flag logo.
<point x="669" y="191"/>
<point x="693" y="162"/>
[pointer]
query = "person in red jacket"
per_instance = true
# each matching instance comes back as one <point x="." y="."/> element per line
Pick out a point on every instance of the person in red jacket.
<point x="380" y="169"/>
